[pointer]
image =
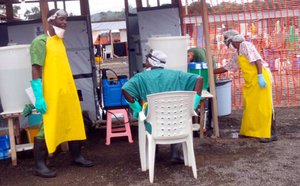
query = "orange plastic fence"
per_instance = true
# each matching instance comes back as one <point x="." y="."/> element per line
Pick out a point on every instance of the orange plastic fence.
<point x="273" y="27"/>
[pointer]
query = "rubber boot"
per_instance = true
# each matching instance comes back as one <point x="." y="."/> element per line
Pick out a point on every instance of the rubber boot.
<point x="177" y="153"/>
<point x="273" y="129"/>
<point x="78" y="159"/>
<point x="40" y="156"/>
<point x="273" y="133"/>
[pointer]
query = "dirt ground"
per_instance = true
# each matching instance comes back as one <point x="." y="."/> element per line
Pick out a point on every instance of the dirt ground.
<point x="222" y="161"/>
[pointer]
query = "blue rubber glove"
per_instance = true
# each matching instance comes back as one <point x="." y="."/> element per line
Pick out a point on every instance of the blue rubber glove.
<point x="197" y="101"/>
<point x="261" y="81"/>
<point x="136" y="107"/>
<point x="40" y="104"/>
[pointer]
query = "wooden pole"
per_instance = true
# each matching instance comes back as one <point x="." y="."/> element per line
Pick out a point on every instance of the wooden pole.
<point x="139" y="4"/>
<point x="64" y="4"/>
<point x="175" y="2"/>
<point x="44" y="11"/>
<point x="210" y="68"/>
<point x="84" y="7"/>
<point x="9" y="11"/>
<point x="126" y="16"/>
<point x="126" y="5"/>
<point x="55" y="4"/>
<point x="181" y="16"/>
<point x="111" y="44"/>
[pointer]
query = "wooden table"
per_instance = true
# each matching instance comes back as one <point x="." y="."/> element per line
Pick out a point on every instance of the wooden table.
<point x="13" y="120"/>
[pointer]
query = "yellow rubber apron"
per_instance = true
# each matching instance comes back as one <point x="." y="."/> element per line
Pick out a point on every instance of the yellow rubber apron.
<point x="63" y="120"/>
<point x="257" y="115"/>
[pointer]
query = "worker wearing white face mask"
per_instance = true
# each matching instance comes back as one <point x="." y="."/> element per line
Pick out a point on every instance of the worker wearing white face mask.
<point x="231" y="47"/>
<point x="257" y="89"/>
<point x="58" y="23"/>
<point x="56" y="96"/>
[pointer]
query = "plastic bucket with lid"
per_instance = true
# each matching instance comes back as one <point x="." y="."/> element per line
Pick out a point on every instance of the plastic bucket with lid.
<point x="223" y="93"/>
<point x="15" y="76"/>
<point x="175" y="47"/>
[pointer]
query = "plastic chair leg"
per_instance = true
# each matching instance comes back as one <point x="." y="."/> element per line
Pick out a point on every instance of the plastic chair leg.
<point x="143" y="146"/>
<point x="151" y="156"/>
<point x="185" y="154"/>
<point x="191" y="153"/>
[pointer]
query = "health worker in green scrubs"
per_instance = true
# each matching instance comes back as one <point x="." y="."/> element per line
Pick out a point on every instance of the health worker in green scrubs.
<point x="157" y="79"/>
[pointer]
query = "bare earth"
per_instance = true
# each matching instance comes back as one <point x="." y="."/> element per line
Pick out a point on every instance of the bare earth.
<point x="223" y="161"/>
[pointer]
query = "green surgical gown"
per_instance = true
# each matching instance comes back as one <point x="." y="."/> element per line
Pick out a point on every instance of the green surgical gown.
<point x="159" y="80"/>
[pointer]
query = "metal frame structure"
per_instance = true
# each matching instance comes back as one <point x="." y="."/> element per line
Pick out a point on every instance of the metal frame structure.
<point x="84" y="5"/>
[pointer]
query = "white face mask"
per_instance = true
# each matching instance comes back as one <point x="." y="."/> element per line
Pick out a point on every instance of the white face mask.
<point x="60" y="32"/>
<point x="231" y="47"/>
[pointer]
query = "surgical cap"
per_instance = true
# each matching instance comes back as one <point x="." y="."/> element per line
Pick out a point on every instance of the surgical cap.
<point x="157" y="58"/>
<point x="229" y="34"/>
<point x="238" y="38"/>
<point x="56" y="14"/>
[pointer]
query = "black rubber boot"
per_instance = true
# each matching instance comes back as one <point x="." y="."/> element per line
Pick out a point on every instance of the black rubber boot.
<point x="40" y="156"/>
<point x="177" y="153"/>
<point x="273" y="129"/>
<point x="273" y="133"/>
<point x="78" y="159"/>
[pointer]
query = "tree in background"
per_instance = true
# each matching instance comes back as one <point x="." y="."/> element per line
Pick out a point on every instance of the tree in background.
<point x="34" y="13"/>
<point x="108" y="16"/>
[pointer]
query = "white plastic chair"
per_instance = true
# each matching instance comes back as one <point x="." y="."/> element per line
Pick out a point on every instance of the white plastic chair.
<point x="170" y="115"/>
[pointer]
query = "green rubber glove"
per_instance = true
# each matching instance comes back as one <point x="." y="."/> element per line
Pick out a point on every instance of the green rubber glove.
<point x="136" y="115"/>
<point x="136" y="107"/>
<point x="40" y="104"/>
<point x="197" y="101"/>
<point x="28" y="109"/>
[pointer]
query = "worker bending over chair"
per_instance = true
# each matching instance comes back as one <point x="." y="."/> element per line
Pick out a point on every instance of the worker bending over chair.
<point x="156" y="79"/>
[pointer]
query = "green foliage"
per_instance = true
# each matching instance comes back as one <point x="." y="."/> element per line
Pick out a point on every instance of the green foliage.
<point x="108" y="16"/>
<point x="15" y="10"/>
<point x="34" y="13"/>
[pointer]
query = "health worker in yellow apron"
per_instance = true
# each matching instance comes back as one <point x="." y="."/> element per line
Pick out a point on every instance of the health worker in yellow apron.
<point x="56" y="96"/>
<point x="257" y="89"/>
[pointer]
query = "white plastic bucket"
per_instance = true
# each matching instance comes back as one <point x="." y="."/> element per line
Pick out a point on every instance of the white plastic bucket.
<point x="15" y="76"/>
<point x="175" y="47"/>
<point x="223" y="92"/>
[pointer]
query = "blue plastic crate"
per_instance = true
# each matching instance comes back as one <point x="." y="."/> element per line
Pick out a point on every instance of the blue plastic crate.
<point x="4" y="142"/>
<point x="4" y="154"/>
<point x="112" y="93"/>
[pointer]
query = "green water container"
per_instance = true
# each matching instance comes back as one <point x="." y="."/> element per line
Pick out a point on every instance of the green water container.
<point x="200" y="68"/>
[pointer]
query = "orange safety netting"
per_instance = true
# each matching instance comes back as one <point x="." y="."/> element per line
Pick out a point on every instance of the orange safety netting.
<point x="273" y="27"/>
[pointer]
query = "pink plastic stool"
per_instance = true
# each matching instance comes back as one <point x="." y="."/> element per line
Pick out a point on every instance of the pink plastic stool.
<point x="120" y="131"/>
